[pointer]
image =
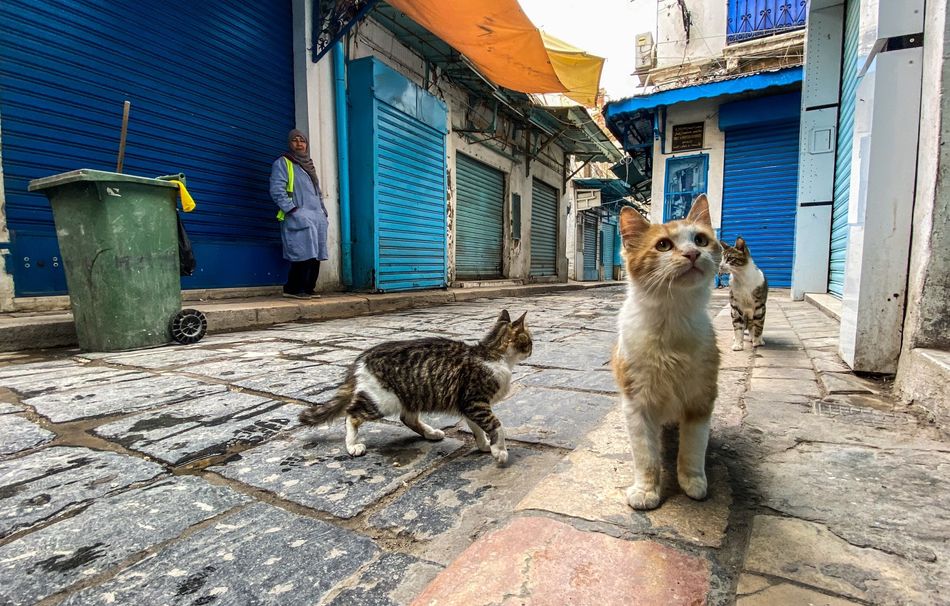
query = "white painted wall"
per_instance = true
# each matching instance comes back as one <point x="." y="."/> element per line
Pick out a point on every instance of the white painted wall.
<point x="706" y="111"/>
<point x="707" y="35"/>
<point x="316" y="116"/>
<point x="371" y="39"/>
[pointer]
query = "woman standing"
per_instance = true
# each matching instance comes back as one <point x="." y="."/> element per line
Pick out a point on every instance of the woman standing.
<point x="295" y="188"/>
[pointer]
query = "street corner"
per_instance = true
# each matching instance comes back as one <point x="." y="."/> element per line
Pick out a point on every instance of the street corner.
<point x="545" y="562"/>
<point x="311" y="467"/>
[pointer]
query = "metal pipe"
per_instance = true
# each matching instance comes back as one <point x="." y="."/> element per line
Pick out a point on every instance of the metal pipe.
<point x="343" y="161"/>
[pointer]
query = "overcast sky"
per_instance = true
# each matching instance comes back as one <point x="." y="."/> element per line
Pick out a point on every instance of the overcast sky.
<point x="606" y="28"/>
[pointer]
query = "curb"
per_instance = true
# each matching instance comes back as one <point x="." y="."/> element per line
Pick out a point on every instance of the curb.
<point x="24" y="332"/>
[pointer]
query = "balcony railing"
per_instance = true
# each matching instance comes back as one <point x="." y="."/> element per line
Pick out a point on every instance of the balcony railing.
<point x="748" y="19"/>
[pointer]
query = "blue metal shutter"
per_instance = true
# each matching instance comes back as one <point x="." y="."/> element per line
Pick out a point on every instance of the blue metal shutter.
<point x="839" y="213"/>
<point x="543" y="229"/>
<point x="411" y="189"/>
<point x="759" y="192"/>
<point x="211" y="86"/>
<point x="608" y="237"/>
<point x="480" y="202"/>
<point x="590" y="246"/>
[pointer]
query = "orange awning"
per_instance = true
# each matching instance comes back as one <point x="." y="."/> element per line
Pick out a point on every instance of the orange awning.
<point x="500" y="40"/>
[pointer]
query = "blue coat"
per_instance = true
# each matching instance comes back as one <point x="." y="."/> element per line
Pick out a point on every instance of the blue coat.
<point x="304" y="231"/>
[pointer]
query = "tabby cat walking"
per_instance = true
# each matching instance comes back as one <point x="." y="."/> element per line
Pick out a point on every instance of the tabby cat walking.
<point x="748" y="293"/>
<point x="666" y="362"/>
<point x="431" y="375"/>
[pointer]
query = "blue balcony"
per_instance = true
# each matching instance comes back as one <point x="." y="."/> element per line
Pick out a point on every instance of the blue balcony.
<point x="748" y="19"/>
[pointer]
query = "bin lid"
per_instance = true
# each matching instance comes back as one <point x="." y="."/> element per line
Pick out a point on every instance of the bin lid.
<point x="86" y="174"/>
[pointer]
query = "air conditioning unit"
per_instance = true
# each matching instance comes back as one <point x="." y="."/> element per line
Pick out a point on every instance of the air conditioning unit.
<point x="645" y="53"/>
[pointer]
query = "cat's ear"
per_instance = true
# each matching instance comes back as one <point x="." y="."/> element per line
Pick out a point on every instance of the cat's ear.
<point x="740" y="244"/>
<point x="632" y="226"/>
<point x="504" y="317"/>
<point x="519" y="323"/>
<point x="699" y="213"/>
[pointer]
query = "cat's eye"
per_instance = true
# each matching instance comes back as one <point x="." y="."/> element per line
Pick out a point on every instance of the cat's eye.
<point x="701" y="240"/>
<point x="664" y="245"/>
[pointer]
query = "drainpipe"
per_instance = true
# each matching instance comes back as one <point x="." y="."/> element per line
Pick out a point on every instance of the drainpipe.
<point x="343" y="160"/>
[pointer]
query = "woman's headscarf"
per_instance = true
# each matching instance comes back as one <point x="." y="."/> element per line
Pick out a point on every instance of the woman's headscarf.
<point x="303" y="160"/>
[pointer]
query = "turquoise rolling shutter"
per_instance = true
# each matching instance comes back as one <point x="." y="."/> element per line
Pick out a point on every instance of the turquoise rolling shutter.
<point x="608" y="238"/>
<point x="479" y="211"/>
<point x="590" y="246"/>
<point x="543" y="230"/>
<point x="839" y="213"/>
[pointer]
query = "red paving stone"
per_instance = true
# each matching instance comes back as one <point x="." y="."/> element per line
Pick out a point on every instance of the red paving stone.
<point x="542" y="562"/>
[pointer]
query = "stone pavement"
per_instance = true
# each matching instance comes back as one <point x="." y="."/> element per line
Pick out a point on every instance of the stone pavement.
<point x="180" y="475"/>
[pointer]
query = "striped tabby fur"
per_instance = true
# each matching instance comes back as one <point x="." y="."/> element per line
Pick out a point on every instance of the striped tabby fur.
<point x="431" y="375"/>
<point x="748" y="293"/>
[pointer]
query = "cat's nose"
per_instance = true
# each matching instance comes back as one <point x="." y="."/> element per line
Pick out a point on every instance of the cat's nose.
<point x="692" y="255"/>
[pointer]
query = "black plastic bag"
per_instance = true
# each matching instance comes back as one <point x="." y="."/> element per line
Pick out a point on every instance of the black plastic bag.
<point x="186" y="256"/>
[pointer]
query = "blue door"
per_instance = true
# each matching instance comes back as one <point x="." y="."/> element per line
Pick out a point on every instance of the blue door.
<point x="839" y="212"/>
<point x="211" y="87"/>
<point x="759" y="195"/>
<point x="479" y="214"/>
<point x="608" y="239"/>
<point x="686" y="178"/>
<point x="543" y="229"/>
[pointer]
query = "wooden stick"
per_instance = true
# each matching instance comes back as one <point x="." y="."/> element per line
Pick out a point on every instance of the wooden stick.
<point x="125" y="127"/>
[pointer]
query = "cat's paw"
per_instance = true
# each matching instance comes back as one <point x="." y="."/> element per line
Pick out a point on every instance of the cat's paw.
<point x="483" y="445"/>
<point x="693" y="486"/>
<point x="356" y="450"/>
<point x="435" y="435"/>
<point x="640" y="499"/>
<point x="500" y="455"/>
<point x="758" y="342"/>
<point x="738" y="346"/>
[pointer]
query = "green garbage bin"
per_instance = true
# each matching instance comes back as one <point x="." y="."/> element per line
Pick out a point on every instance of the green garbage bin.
<point x="119" y="242"/>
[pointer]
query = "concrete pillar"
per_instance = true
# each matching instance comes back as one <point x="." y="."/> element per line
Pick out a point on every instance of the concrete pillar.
<point x="6" y="280"/>
<point x="316" y="116"/>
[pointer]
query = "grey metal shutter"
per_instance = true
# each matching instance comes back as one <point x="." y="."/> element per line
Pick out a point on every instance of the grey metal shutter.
<point x="759" y="195"/>
<point x="543" y="229"/>
<point x="607" y="258"/>
<point x="839" y="213"/>
<point x="590" y="246"/>
<point x="479" y="211"/>
<point x="211" y="86"/>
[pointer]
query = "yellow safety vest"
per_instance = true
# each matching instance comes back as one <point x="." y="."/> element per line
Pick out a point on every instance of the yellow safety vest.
<point x="281" y="215"/>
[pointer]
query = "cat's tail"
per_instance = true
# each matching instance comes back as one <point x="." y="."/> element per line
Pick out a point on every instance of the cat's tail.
<point x="318" y="414"/>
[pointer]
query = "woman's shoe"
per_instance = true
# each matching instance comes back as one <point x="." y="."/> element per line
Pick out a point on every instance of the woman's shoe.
<point x="291" y="295"/>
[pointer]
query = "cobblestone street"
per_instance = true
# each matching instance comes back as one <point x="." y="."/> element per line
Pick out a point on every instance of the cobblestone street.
<point x="181" y="475"/>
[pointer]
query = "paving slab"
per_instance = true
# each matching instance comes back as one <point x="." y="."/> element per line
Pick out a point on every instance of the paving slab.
<point x="773" y="372"/>
<point x="40" y="485"/>
<point x="809" y="554"/>
<point x="543" y="562"/>
<point x="551" y="416"/>
<point x="392" y="580"/>
<point x="244" y="367"/>
<point x="7" y="408"/>
<point x="819" y="481"/>
<point x="315" y="383"/>
<point x="843" y="383"/>
<point x="786" y="386"/>
<point x="202" y="427"/>
<point x="312" y="467"/>
<point x="259" y="555"/>
<point x="466" y="489"/>
<point x="51" y="559"/>
<point x="169" y="356"/>
<point x="571" y="354"/>
<point x="20" y="434"/>
<point x="587" y="380"/>
<point x="590" y="483"/>
<point x="112" y="398"/>
<point x="17" y="369"/>
<point x="35" y="384"/>
<point x="759" y="591"/>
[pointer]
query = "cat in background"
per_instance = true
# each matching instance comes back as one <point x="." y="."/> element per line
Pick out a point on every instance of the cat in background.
<point x="435" y="375"/>
<point x="748" y="292"/>
<point x="666" y="361"/>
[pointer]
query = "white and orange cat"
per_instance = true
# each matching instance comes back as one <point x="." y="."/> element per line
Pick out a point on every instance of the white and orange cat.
<point x="666" y="361"/>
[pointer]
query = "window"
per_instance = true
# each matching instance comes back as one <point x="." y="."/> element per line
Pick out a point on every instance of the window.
<point x="685" y="179"/>
<point x="748" y="19"/>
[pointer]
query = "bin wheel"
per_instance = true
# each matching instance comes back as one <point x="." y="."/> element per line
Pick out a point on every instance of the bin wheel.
<point x="188" y="326"/>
